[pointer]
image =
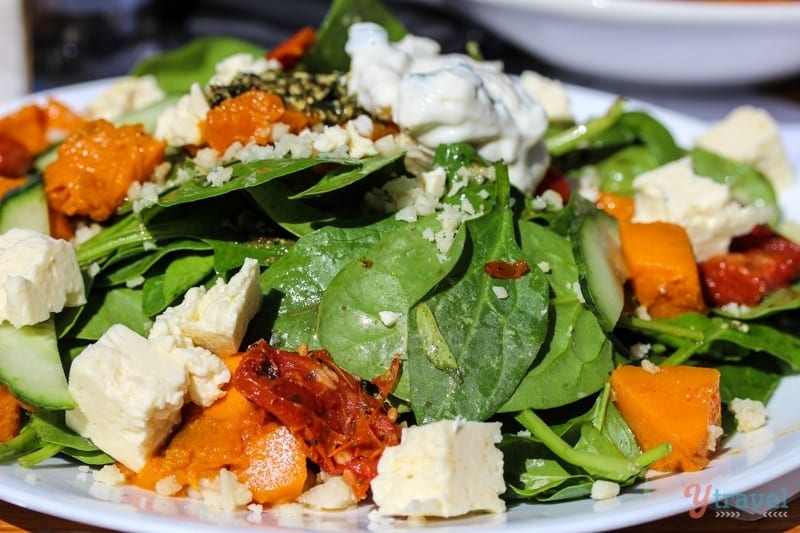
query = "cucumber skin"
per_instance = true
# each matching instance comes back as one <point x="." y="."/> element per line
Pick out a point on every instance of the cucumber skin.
<point x="25" y="207"/>
<point x="601" y="266"/>
<point x="30" y="365"/>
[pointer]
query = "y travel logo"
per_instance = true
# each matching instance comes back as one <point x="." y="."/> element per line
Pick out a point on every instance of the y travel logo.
<point x="736" y="505"/>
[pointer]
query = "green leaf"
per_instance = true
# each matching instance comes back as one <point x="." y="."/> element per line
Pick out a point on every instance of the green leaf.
<point x="195" y="62"/>
<point x="293" y="285"/>
<point x="179" y="276"/>
<point x="137" y="268"/>
<point x="494" y="339"/>
<point x="120" y="305"/>
<point x="391" y="276"/>
<point x="229" y="254"/>
<point x="344" y="176"/>
<point x="328" y="54"/>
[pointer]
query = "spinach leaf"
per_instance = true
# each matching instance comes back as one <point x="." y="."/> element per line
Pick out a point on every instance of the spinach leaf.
<point x="755" y="378"/>
<point x="294" y="284"/>
<point x="328" y="54"/>
<point x="390" y="277"/>
<point x="119" y="305"/>
<point x="136" y="269"/>
<point x="785" y="299"/>
<point x="494" y="339"/>
<point x="298" y="217"/>
<point x="577" y="357"/>
<point x="161" y="291"/>
<point x="177" y="69"/>
<point x="344" y="176"/>
<point x="748" y="186"/>
<point x="230" y="254"/>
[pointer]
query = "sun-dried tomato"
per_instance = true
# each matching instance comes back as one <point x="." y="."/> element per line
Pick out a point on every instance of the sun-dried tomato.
<point x="760" y="263"/>
<point x="506" y="269"/>
<point x="345" y="427"/>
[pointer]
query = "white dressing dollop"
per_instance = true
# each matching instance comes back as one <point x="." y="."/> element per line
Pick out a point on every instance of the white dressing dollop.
<point x="448" y="98"/>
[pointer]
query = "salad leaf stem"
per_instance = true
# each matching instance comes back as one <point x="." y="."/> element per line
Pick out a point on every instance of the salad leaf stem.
<point x="614" y="467"/>
<point x="572" y="138"/>
<point x="661" y="327"/>
<point x="37" y="456"/>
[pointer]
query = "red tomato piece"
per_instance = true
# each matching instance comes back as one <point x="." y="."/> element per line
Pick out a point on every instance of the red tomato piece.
<point x="344" y="427"/>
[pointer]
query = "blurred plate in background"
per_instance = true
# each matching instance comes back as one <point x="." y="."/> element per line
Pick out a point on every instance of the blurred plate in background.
<point x="666" y="42"/>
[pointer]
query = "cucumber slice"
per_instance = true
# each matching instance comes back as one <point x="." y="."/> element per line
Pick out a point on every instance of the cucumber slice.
<point x="25" y="207"/>
<point x="601" y="265"/>
<point x="30" y="365"/>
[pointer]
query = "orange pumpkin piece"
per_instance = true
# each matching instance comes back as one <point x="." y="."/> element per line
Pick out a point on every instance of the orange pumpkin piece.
<point x="618" y="206"/>
<point x="28" y="126"/>
<point x="275" y="468"/>
<point x="96" y="165"/>
<point x="236" y="434"/>
<point x="662" y="268"/>
<point x="61" y="120"/>
<point x="244" y="118"/>
<point x="10" y="415"/>
<point x="677" y="404"/>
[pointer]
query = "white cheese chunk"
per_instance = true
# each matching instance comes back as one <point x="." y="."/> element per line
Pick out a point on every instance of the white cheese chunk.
<point x="217" y="318"/>
<point x="444" y="469"/>
<point x="128" y="395"/>
<point x="604" y="490"/>
<point x="674" y="193"/>
<point x="332" y="494"/>
<point x="180" y="124"/>
<point x="750" y="135"/>
<point x="551" y="93"/>
<point x="39" y="275"/>
<point x="127" y="94"/>
<point x="750" y="414"/>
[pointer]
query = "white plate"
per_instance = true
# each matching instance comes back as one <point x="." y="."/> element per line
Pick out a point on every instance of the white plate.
<point x="664" y="42"/>
<point x="749" y="460"/>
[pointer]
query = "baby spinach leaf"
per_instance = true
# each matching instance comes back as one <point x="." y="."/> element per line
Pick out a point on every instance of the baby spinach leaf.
<point x="344" y="175"/>
<point x="138" y="268"/>
<point x="577" y="357"/>
<point x="119" y="305"/>
<point x="391" y="276"/>
<point x="748" y="185"/>
<point x="183" y="273"/>
<point x="195" y="62"/>
<point x="618" y="170"/>
<point x="230" y="254"/>
<point x="432" y="342"/>
<point x="295" y="216"/>
<point x="244" y="175"/>
<point x="328" y="54"/>
<point x="755" y="378"/>
<point x="494" y="339"/>
<point x="294" y="284"/>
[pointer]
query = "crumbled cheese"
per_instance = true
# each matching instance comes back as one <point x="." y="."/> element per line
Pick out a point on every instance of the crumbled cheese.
<point x="110" y="475"/>
<point x="180" y="124"/>
<point x="500" y="292"/>
<point x="649" y="367"/>
<point x="604" y="490"/>
<point x="446" y="468"/>
<point x="208" y="159"/>
<point x="640" y="350"/>
<point x="243" y="63"/>
<point x="129" y="93"/>
<point x="575" y="287"/>
<point x="85" y="231"/>
<point x="389" y="318"/>
<point x="39" y="275"/>
<point x="219" y="176"/>
<point x="225" y="492"/>
<point x="544" y="266"/>
<point x="142" y="195"/>
<point x="706" y="209"/>
<point x="750" y="414"/>
<point x="332" y="494"/>
<point x="751" y="135"/>
<point x="168" y="486"/>
<point x="714" y="434"/>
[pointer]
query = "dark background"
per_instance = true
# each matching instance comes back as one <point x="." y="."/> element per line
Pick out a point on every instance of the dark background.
<point x="79" y="40"/>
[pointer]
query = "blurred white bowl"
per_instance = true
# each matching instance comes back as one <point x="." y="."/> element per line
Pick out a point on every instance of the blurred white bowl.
<point x="665" y="42"/>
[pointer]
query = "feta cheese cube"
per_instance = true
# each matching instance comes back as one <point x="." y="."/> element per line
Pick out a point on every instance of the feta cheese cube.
<point x="332" y="494"/>
<point x="446" y="468"/>
<point x="604" y="490"/>
<point x="551" y="93"/>
<point x="39" y="275"/>
<point x="128" y="395"/>
<point x="750" y="135"/>
<point x="706" y="209"/>
<point x="217" y="319"/>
